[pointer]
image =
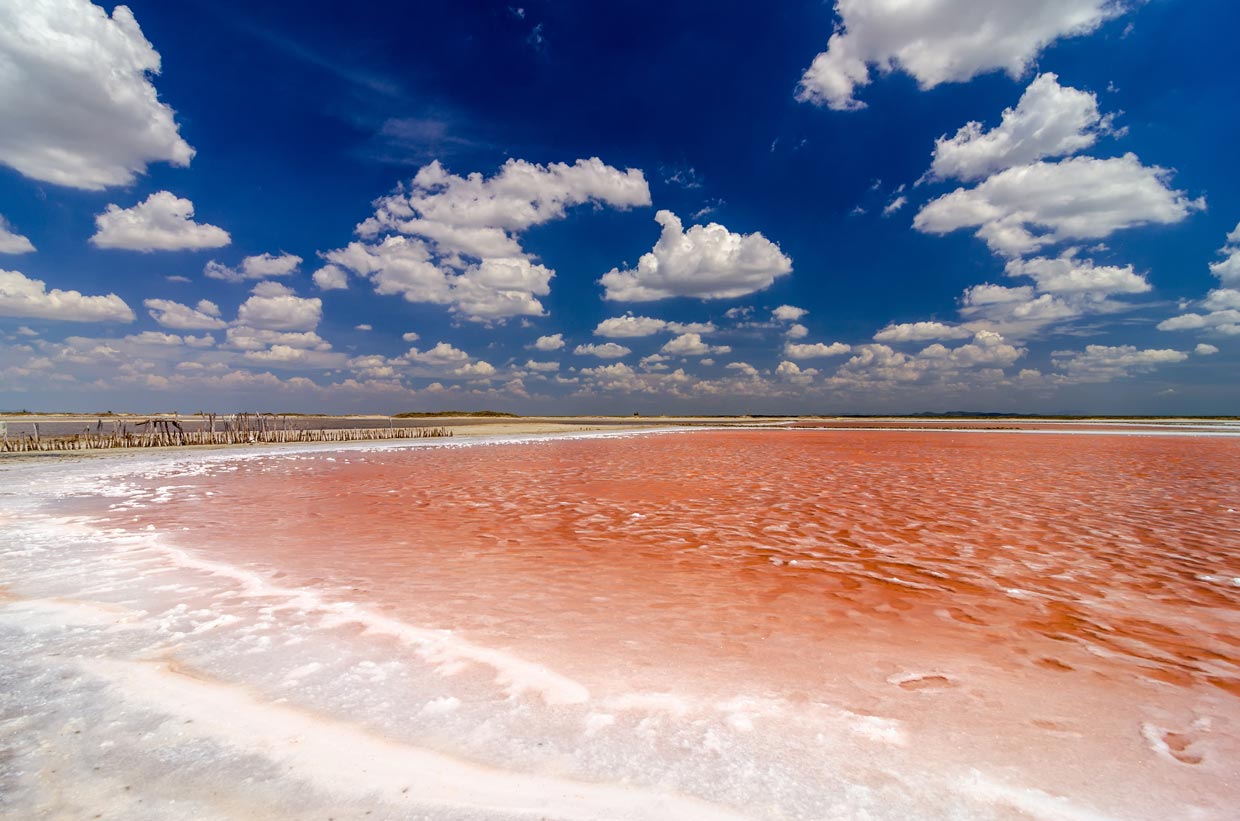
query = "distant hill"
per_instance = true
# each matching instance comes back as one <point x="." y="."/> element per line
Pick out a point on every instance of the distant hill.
<point x="424" y="414"/>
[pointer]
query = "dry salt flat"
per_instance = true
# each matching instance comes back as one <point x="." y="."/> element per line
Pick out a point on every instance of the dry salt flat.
<point x="785" y="623"/>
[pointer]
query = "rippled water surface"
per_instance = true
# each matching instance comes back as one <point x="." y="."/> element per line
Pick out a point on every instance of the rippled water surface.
<point x="1124" y="552"/>
<point x="1045" y="624"/>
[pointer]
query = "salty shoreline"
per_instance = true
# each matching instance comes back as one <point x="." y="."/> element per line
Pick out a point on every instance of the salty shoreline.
<point x="467" y="427"/>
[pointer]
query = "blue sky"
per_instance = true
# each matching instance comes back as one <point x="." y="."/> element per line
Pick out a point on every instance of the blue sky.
<point x="859" y="206"/>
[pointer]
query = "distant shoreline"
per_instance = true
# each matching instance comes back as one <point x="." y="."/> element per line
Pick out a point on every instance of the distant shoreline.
<point x="480" y="426"/>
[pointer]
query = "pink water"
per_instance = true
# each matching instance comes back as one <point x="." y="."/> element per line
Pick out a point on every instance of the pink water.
<point x="1059" y="612"/>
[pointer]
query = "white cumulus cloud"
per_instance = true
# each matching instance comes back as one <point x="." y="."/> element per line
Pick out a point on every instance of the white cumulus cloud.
<point x="452" y="240"/>
<point x="169" y="314"/>
<point x="788" y="313"/>
<point x="705" y="262"/>
<point x="1228" y="269"/>
<point x="1077" y="198"/>
<point x="1049" y="121"/>
<point x="479" y="368"/>
<point x="551" y="342"/>
<point x="691" y="344"/>
<point x="630" y="326"/>
<point x="940" y="41"/>
<point x="1068" y="275"/>
<point x="24" y="297"/>
<point x="79" y="107"/>
<point x="442" y="354"/>
<point x="607" y="350"/>
<point x="921" y="331"/>
<point x="161" y="222"/>
<point x="794" y="373"/>
<point x="12" y="242"/>
<point x="254" y="339"/>
<point x="259" y="266"/>
<point x="1102" y="363"/>
<point x="275" y="307"/>
<point x="331" y="278"/>
<point x="793" y="350"/>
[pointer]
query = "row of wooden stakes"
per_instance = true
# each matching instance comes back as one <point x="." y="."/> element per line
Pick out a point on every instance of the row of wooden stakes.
<point x="169" y="436"/>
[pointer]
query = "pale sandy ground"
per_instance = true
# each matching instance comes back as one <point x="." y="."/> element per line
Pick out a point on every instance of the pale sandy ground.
<point x="471" y="426"/>
<point x="458" y="425"/>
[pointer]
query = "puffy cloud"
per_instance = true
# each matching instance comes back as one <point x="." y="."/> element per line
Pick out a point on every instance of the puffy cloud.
<point x="479" y="368"/>
<point x="793" y="350"/>
<point x="1069" y="275"/>
<point x="442" y="354"/>
<point x="331" y="278"/>
<point x="171" y="340"/>
<point x="987" y="294"/>
<point x="541" y="367"/>
<point x="291" y="357"/>
<point x="1222" y="305"/>
<point x="364" y="327"/>
<point x="397" y="265"/>
<point x="987" y="349"/>
<point x="796" y="331"/>
<point x="607" y="350"/>
<point x="1081" y="197"/>
<point x="787" y="313"/>
<point x="921" y="331"/>
<point x="253" y="339"/>
<point x="705" y="262"/>
<point x="691" y="344"/>
<point x="1225" y="321"/>
<point x="521" y="195"/>
<point x="259" y="266"/>
<point x="940" y="41"/>
<point x="162" y="222"/>
<point x="1222" y="299"/>
<point x="1228" y="269"/>
<point x="25" y="297"/>
<point x="1020" y="312"/>
<point x="978" y="362"/>
<point x="12" y="242"/>
<point x="79" y="107"/>
<point x="275" y="307"/>
<point x="551" y="342"/>
<point x="744" y="369"/>
<point x="1183" y="322"/>
<point x="410" y="336"/>
<point x="630" y="326"/>
<point x="794" y="373"/>
<point x="1102" y="363"/>
<point x="497" y="288"/>
<point x="1049" y="121"/>
<point x="1203" y="349"/>
<point x="206" y="316"/>
<point x="453" y="240"/>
